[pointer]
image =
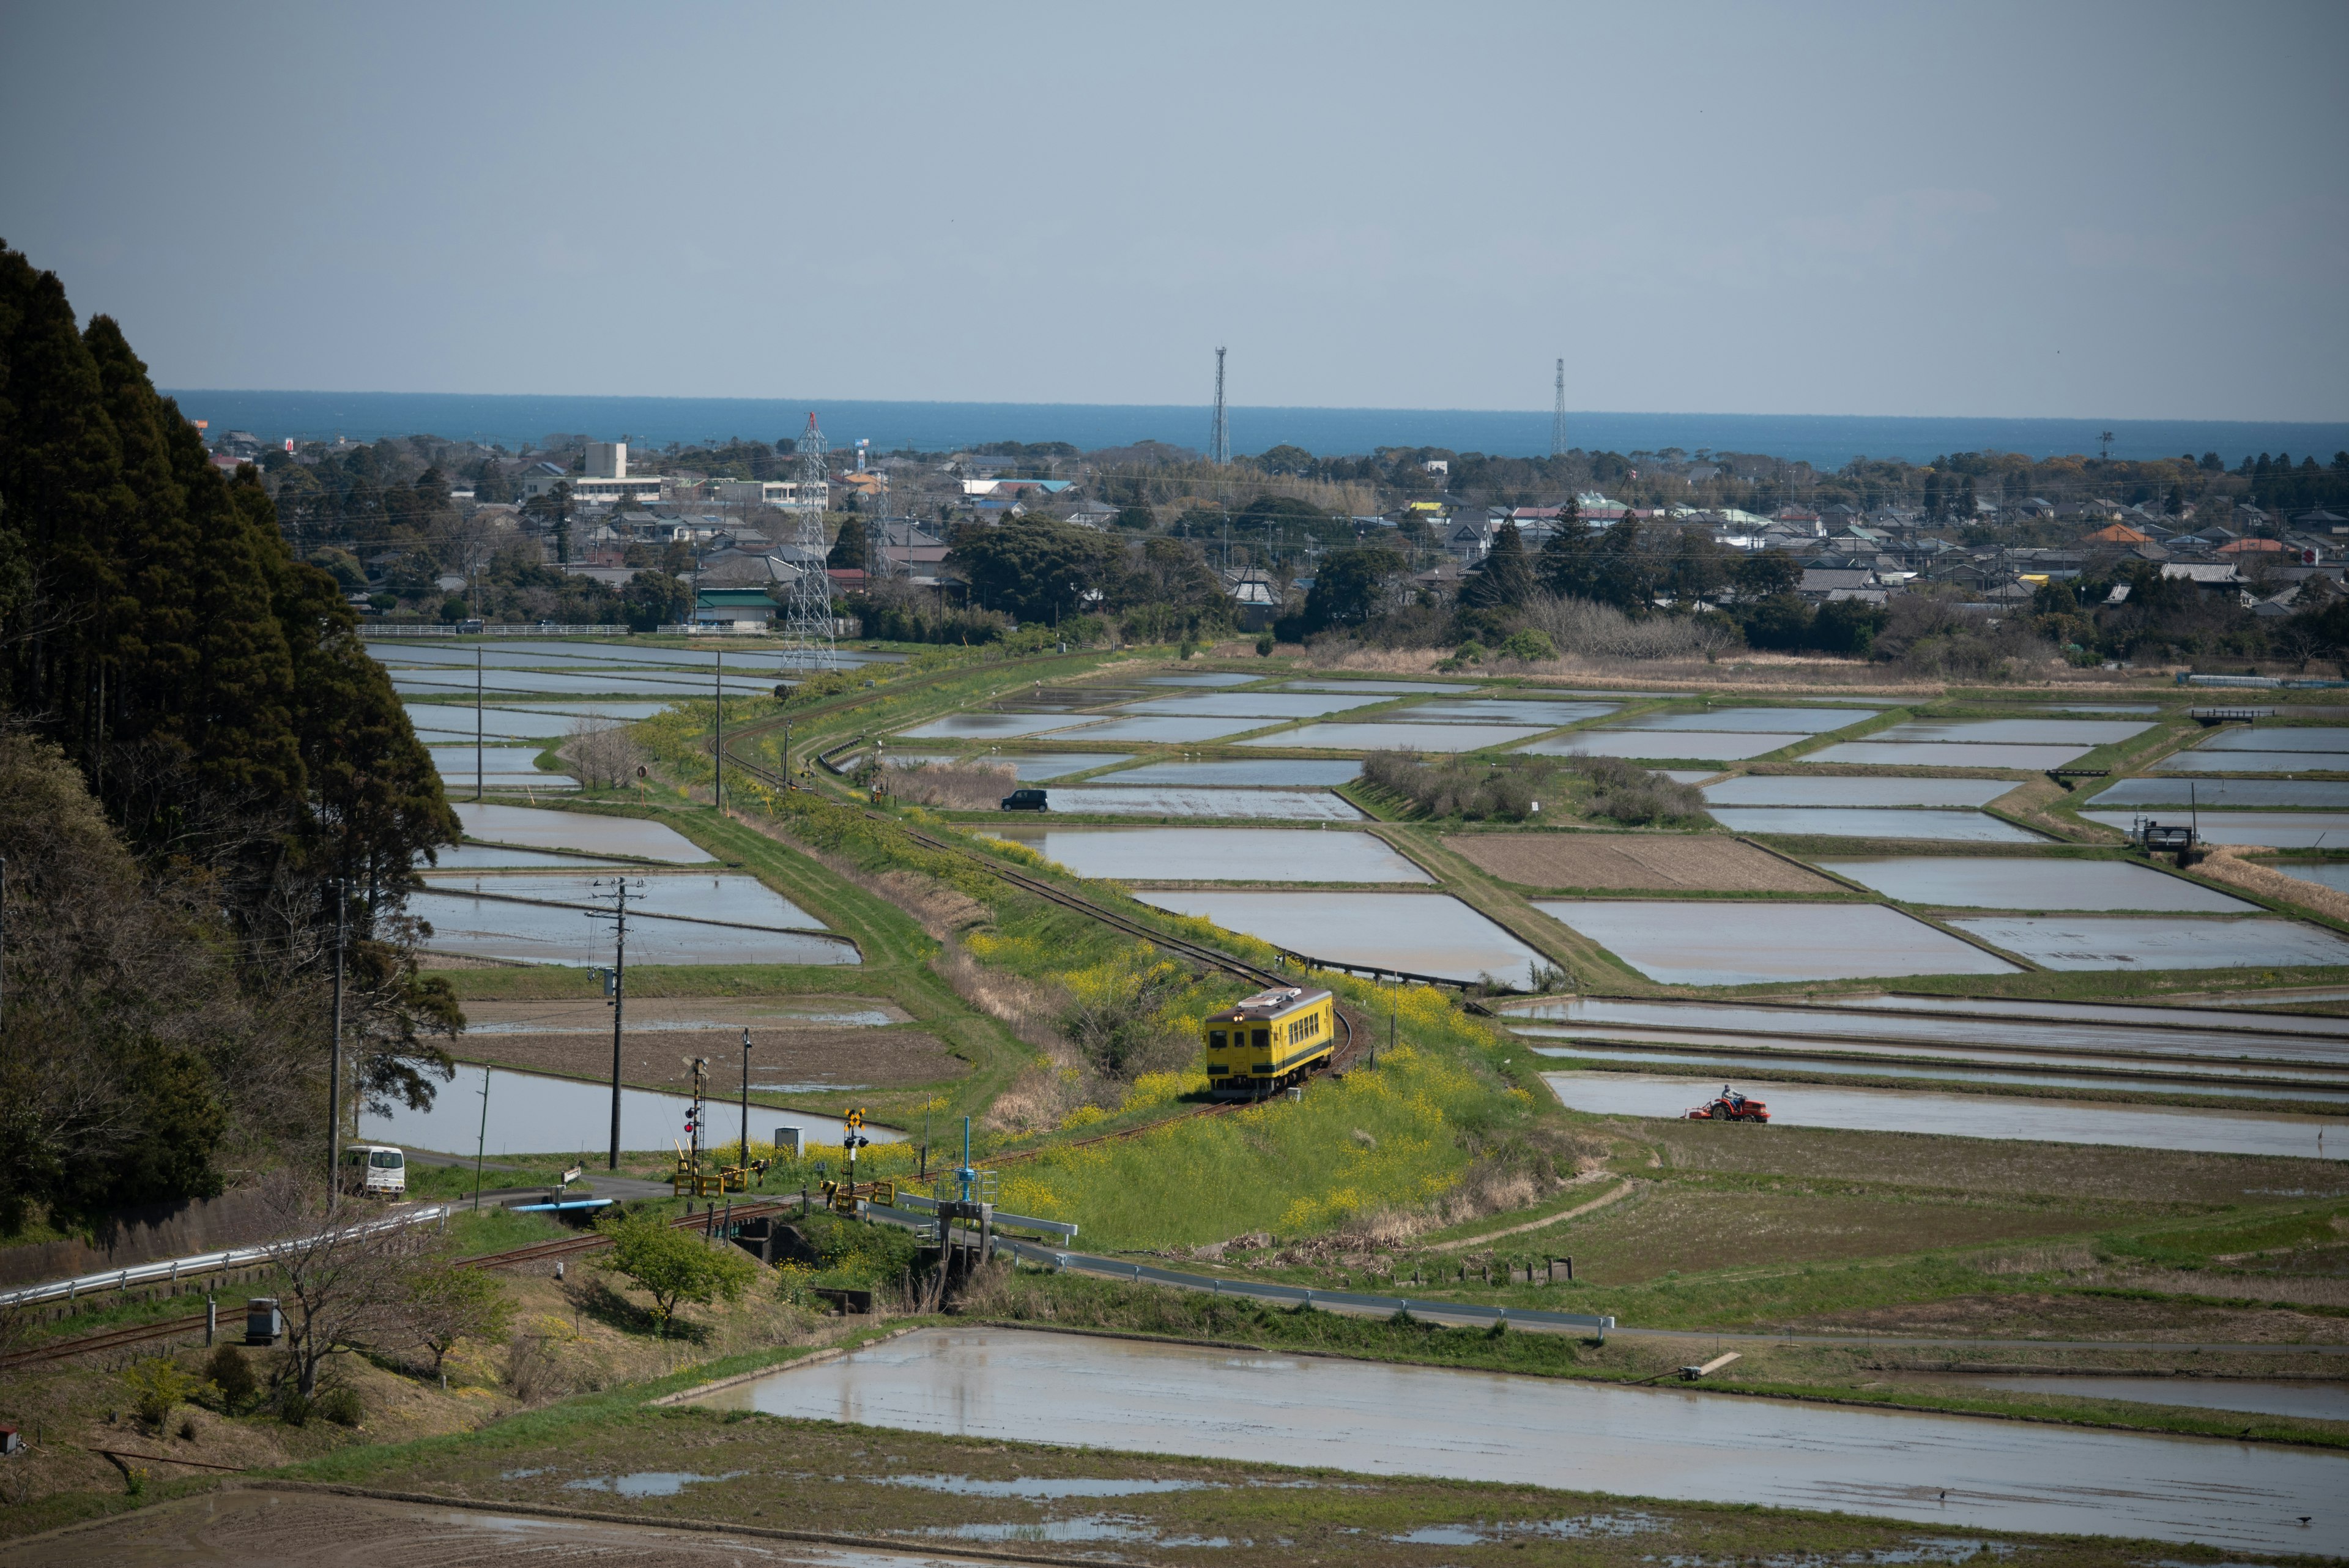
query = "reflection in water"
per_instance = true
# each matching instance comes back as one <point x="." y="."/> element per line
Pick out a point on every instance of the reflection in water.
<point x="1968" y="1116"/>
<point x="1838" y="789"/>
<point x="1007" y="1386"/>
<point x="1682" y="943"/>
<point x="531" y="1113"/>
<point x="597" y="834"/>
<point x="1107" y="799"/>
<point x="2089" y="941"/>
<point x="1397" y="737"/>
<point x="1987" y="882"/>
<point x="1865" y="822"/>
<point x="1418" y="933"/>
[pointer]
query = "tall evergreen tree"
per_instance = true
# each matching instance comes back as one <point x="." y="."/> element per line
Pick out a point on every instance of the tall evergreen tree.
<point x="1507" y="578"/>
<point x="1563" y="568"/>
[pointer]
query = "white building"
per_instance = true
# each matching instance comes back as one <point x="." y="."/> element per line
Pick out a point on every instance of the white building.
<point x="605" y="483"/>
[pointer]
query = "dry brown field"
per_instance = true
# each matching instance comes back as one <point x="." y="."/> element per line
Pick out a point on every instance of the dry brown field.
<point x="1641" y="862"/>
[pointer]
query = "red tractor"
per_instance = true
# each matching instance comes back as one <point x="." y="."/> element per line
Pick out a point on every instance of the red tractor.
<point x="1730" y="1105"/>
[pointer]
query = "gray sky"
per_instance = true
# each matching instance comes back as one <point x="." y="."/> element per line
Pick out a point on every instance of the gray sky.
<point x="2126" y="210"/>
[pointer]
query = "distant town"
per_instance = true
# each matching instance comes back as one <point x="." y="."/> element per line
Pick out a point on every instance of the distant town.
<point x="1985" y="556"/>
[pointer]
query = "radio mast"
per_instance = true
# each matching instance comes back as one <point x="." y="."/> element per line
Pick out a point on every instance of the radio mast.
<point x="808" y="640"/>
<point x="1557" y="416"/>
<point x="1219" y="435"/>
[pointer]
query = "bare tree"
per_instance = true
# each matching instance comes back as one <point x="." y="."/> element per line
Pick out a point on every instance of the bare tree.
<point x="346" y="1279"/>
<point x="601" y="752"/>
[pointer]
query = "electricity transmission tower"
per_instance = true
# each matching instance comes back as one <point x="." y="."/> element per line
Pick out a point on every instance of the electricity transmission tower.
<point x="808" y="624"/>
<point x="1219" y="435"/>
<point x="1557" y="416"/>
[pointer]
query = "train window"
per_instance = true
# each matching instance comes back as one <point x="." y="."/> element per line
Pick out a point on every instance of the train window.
<point x="1215" y="1039"/>
<point x="1263" y="1038"/>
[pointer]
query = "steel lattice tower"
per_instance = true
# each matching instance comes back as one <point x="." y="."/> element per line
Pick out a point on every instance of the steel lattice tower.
<point x="1557" y="416"/>
<point x="1219" y="434"/>
<point x="808" y="639"/>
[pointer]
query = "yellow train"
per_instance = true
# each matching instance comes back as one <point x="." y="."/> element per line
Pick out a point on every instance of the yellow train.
<point x="1268" y="1042"/>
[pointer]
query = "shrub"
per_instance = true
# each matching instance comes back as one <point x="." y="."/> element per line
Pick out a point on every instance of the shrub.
<point x="1528" y="645"/>
<point x="232" y="1375"/>
<point x="341" y="1405"/>
<point x="157" y="1386"/>
<point x="1264" y="646"/>
<point x="675" y="1267"/>
<point x="295" y="1408"/>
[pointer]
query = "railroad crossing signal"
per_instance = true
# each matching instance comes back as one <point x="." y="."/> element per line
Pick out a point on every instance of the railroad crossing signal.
<point x="856" y="1118"/>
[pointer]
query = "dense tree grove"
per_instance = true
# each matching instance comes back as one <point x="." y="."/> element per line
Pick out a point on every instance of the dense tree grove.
<point x="164" y="656"/>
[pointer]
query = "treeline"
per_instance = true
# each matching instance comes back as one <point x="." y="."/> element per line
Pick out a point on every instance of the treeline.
<point x="1034" y="570"/>
<point x="164" y="655"/>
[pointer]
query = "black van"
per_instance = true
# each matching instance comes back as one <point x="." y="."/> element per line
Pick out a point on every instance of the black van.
<point x="1024" y="800"/>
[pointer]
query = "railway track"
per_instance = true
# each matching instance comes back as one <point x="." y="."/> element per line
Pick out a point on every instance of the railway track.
<point x="172" y="1327"/>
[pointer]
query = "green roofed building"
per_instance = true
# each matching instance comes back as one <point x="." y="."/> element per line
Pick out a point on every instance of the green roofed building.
<point x="726" y="607"/>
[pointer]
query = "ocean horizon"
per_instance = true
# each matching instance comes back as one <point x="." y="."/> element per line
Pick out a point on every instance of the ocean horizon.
<point x="517" y="420"/>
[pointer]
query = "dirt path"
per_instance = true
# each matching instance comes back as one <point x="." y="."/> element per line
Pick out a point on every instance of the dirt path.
<point x="1600" y="1202"/>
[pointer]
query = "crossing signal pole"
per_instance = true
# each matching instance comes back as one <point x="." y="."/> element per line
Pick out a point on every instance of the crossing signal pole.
<point x="620" y="891"/>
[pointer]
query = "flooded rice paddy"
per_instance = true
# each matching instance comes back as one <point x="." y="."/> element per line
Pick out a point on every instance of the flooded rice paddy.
<point x="1830" y="789"/>
<point x="1547" y="715"/>
<point x="1987" y="882"/>
<point x="2273" y="830"/>
<point x="2253" y="762"/>
<point x="533" y="1113"/>
<point x="1032" y="767"/>
<point x="1999" y="1117"/>
<point x="2309" y="1401"/>
<point x="1396" y="737"/>
<point x="1255" y="704"/>
<point x="1009" y="1385"/>
<point x="1947" y="754"/>
<point x="1772" y="720"/>
<point x="2324" y="874"/>
<point x="1696" y="745"/>
<point x="1983" y="1024"/>
<point x="2279" y="737"/>
<point x="986" y="726"/>
<point x="579" y="683"/>
<point x="627" y="835"/>
<point x="1203" y="679"/>
<point x="1416" y="934"/>
<point x="464" y="926"/>
<point x="525" y="723"/>
<point x="734" y="897"/>
<point x="493" y="857"/>
<point x="1661" y="1051"/>
<point x="1103" y="799"/>
<point x="1679" y="942"/>
<point x="1392" y="688"/>
<point x="1300" y="773"/>
<point x="2203" y="794"/>
<point x="2084" y="733"/>
<point x="1874" y="822"/>
<point x="1158" y="729"/>
<point x="1219" y="854"/>
<point x="2088" y="942"/>
<point x="499" y="767"/>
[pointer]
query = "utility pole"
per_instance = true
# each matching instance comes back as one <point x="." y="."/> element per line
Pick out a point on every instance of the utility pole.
<point x="1219" y="433"/>
<point x="746" y="1102"/>
<point x="335" y="1066"/>
<point x="717" y="779"/>
<point x="477" y="722"/>
<point x="619" y="889"/>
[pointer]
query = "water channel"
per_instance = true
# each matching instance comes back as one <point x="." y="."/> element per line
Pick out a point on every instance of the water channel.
<point x="1954" y="1472"/>
<point x="2000" y="1116"/>
<point x="533" y="1113"/>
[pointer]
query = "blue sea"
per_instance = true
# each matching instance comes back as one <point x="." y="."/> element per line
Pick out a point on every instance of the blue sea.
<point x="1825" y="441"/>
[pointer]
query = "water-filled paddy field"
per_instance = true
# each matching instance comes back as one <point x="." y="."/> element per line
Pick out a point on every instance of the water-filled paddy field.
<point x="1417" y="933"/>
<point x="2202" y="1131"/>
<point x="2089" y="942"/>
<point x="1696" y="745"/>
<point x="1682" y="943"/>
<point x="533" y="1113"/>
<point x="1247" y="772"/>
<point x="1661" y="1051"/>
<point x="1218" y="854"/>
<point x="2204" y="793"/>
<point x="1103" y="798"/>
<point x="1033" y="767"/>
<point x="1384" y="1420"/>
<point x="1947" y="754"/>
<point x="2272" y="829"/>
<point x="1874" y="822"/>
<point x="1854" y="790"/>
<point x="1989" y="882"/>
<point x="1987" y="1023"/>
<point x="1398" y="736"/>
<point x="632" y="836"/>
<point x="1771" y="721"/>
<point x="1255" y="704"/>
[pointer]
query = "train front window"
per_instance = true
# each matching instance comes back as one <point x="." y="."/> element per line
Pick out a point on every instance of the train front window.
<point x="385" y="1159"/>
<point x="1215" y="1039"/>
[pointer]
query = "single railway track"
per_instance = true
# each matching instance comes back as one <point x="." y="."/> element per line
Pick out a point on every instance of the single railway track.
<point x="172" y="1327"/>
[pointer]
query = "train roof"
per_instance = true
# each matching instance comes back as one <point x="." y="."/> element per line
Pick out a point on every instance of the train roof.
<point x="1270" y="1005"/>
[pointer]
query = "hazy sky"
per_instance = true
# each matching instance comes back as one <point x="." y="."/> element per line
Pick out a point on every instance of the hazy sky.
<point x="2126" y="210"/>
